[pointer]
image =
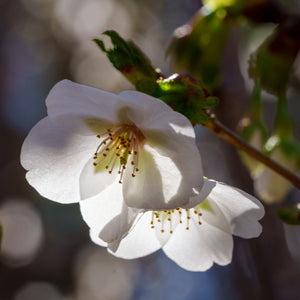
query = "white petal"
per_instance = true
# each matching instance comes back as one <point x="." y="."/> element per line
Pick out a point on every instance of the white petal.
<point x="199" y="247"/>
<point x="186" y="159"/>
<point x="162" y="126"/>
<point x="213" y="215"/>
<point x="54" y="158"/>
<point x="74" y="106"/>
<point x="149" y="107"/>
<point x="101" y="209"/>
<point x="149" y="103"/>
<point x="108" y="215"/>
<point x="166" y="224"/>
<point x="94" y="180"/>
<point x="201" y="193"/>
<point x="94" y="235"/>
<point x="98" y="211"/>
<point x="146" y="189"/>
<point x="118" y="228"/>
<point x="170" y="133"/>
<point x="140" y="241"/>
<point x="241" y="210"/>
<point x="159" y="184"/>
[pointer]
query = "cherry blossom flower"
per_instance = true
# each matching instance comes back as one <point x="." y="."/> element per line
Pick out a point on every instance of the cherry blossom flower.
<point x="93" y="140"/>
<point x="194" y="236"/>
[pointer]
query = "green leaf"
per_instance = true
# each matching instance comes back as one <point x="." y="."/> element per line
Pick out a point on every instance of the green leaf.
<point x="289" y="214"/>
<point x="198" y="116"/>
<point x="185" y="95"/>
<point x="130" y="61"/>
<point x="147" y="86"/>
<point x="209" y="102"/>
<point x="100" y="44"/>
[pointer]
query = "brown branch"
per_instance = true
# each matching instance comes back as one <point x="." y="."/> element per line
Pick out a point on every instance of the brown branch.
<point x="229" y="136"/>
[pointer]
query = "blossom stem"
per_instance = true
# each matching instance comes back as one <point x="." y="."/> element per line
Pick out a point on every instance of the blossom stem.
<point x="228" y="135"/>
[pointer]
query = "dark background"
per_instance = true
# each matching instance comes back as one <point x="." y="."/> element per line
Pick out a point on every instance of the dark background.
<point x="46" y="250"/>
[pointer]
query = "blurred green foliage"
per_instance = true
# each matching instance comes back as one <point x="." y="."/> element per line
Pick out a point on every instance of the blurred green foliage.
<point x="273" y="61"/>
<point x="289" y="214"/>
<point x="198" y="47"/>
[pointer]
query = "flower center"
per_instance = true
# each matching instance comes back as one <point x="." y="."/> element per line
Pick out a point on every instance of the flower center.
<point x="160" y="218"/>
<point x="119" y="148"/>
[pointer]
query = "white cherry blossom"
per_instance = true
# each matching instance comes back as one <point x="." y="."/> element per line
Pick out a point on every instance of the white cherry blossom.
<point x="195" y="235"/>
<point x="93" y="141"/>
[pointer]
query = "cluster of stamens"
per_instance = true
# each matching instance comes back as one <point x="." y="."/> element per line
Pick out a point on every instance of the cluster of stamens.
<point x="118" y="148"/>
<point x="160" y="218"/>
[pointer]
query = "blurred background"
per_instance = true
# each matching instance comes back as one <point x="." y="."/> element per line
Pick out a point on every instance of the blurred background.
<point x="46" y="252"/>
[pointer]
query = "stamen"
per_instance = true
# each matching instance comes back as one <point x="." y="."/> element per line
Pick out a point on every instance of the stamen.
<point x="152" y="220"/>
<point x="170" y="219"/>
<point x="171" y="216"/>
<point x="188" y="219"/>
<point x="120" y="144"/>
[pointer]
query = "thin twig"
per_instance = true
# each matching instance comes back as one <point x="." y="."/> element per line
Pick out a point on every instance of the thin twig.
<point x="229" y="136"/>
